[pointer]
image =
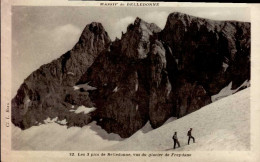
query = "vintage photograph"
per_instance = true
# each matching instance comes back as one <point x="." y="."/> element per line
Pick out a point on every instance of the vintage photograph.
<point x="130" y="79"/>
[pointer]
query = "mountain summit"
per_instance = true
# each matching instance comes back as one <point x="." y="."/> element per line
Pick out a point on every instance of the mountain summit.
<point x="47" y="92"/>
<point x="148" y="75"/>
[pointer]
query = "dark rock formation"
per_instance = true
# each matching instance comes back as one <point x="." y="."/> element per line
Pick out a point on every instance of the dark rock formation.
<point x="48" y="91"/>
<point x="208" y="55"/>
<point x="177" y="70"/>
<point x="148" y="75"/>
<point x="122" y="78"/>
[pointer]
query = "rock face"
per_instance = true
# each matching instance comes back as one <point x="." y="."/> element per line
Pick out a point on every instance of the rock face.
<point x="148" y="75"/>
<point x="125" y="76"/>
<point x="209" y="55"/>
<point x="48" y="91"/>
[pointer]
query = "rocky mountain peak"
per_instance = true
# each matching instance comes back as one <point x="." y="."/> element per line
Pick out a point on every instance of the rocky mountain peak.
<point x="137" y="20"/>
<point x="135" y="42"/>
<point x="178" y="15"/>
<point x="92" y="41"/>
<point x="141" y="26"/>
<point x="147" y="75"/>
<point x="48" y="91"/>
<point x="92" y="37"/>
<point x="96" y="27"/>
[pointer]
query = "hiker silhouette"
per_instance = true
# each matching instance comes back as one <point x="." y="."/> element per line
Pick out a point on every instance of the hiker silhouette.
<point x="190" y="136"/>
<point x="175" y="140"/>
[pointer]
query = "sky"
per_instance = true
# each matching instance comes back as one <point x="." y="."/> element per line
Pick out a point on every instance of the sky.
<point x="42" y="34"/>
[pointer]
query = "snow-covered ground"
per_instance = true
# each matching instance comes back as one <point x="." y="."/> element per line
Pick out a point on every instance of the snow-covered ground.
<point x="52" y="136"/>
<point x="222" y="125"/>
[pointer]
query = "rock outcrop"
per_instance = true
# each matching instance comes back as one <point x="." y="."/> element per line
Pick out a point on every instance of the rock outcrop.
<point x="208" y="55"/>
<point x="122" y="78"/>
<point x="148" y="75"/>
<point x="48" y="91"/>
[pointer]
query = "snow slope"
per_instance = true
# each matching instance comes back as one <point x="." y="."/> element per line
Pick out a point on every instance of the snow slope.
<point x="227" y="91"/>
<point x="222" y="125"/>
<point x="52" y="136"/>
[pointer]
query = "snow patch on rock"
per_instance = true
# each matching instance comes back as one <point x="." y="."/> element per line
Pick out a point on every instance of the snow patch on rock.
<point x="136" y="107"/>
<point x="86" y="87"/>
<point x="76" y="87"/>
<point x="228" y="91"/>
<point x="84" y="109"/>
<point x="62" y="122"/>
<point x="70" y="73"/>
<point x="72" y="108"/>
<point x="225" y="66"/>
<point x="49" y="120"/>
<point x="136" y="85"/>
<point x="28" y="101"/>
<point x="177" y="61"/>
<point x="116" y="89"/>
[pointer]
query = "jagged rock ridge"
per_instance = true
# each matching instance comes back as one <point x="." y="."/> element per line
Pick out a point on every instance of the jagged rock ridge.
<point x="48" y="91"/>
<point x="149" y="74"/>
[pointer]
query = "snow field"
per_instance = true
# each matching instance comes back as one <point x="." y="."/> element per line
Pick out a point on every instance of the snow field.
<point x="222" y="125"/>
